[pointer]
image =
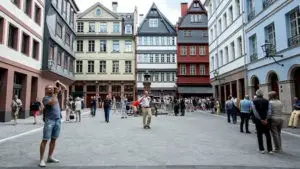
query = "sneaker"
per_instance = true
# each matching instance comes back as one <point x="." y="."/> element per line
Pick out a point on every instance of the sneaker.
<point x="263" y="152"/>
<point x="42" y="163"/>
<point x="271" y="152"/>
<point x="52" y="160"/>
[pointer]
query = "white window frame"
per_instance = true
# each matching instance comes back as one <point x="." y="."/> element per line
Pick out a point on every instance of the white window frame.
<point x="128" y="66"/>
<point x="128" y="46"/>
<point x="182" y="69"/>
<point x="202" y="51"/>
<point x="91" y="66"/>
<point x="91" y="46"/>
<point x="115" y="66"/>
<point x="202" y="70"/>
<point x="79" y="65"/>
<point x="116" y="46"/>
<point x="103" y="27"/>
<point x="92" y="27"/>
<point x="193" y="69"/>
<point x="80" y="27"/>
<point x="183" y="50"/>
<point x="102" y="68"/>
<point x="193" y="50"/>
<point x="153" y="23"/>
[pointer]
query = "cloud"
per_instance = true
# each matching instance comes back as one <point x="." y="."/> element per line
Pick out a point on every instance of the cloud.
<point x="170" y="8"/>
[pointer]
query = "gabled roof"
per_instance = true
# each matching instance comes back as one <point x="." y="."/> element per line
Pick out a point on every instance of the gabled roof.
<point x="98" y="4"/>
<point x="164" y="25"/>
<point x="192" y="9"/>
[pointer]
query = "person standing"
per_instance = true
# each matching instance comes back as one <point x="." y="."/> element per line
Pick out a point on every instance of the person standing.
<point x="262" y="112"/>
<point x="124" y="102"/>
<point x="107" y="106"/>
<point x="16" y="106"/>
<point x="229" y="109"/>
<point x="93" y="106"/>
<point x="52" y="126"/>
<point x="245" y="107"/>
<point x="276" y="120"/>
<point x="35" y="109"/>
<point x="176" y="107"/>
<point x="293" y="122"/>
<point x="68" y="108"/>
<point x="182" y="106"/>
<point x="78" y="108"/>
<point x="218" y="107"/>
<point x="114" y="104"/>
<point x="146" y="109"/>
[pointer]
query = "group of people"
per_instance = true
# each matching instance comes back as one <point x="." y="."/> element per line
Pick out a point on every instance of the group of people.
<point x="74" y="109"/>
<point x="267" y="115"/>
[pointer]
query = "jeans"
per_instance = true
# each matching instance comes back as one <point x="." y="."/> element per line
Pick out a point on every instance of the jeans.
<point x="245" y="119"/>
<point x="93" y="110"/>
<point x="231" y="113"/>
<point x="106" y="114"/>
<point x="263" y="129"/>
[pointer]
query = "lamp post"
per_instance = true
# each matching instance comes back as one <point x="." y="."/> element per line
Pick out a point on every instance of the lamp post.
<point x="147" y="82"/>
<point x="269" y="51"/>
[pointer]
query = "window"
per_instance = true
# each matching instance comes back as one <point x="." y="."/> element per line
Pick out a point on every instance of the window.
<point x="58" y="30"/>
<point x="27" y="7"/>
<point x="13" y="36"/>
<point x="253" y="48"/>
<point x="163" y="41"/>
<point x="116" y="27"/>
<point x="217" y="60"/>
<point x="25" y="44"/>
<point x="51" y="53"/>
<point x="215" y="29"/>
<point x="66" y="58"/>
<point x="156" y="77"/>
<point x="71" y="65"/>
<point x="168" y="77"/>
<point x="140" y="39"/>
<point x="80" y="27"/>
<point x="145" y="41"/>
<point x="98" y="12"/>
<point x="115" y="66"/>
<point x="169" y="41"/>
<point x="240" y="46"/>
<point x="233" y="50"/>
<point x="91" y="66"/>
<point x="192" y="50"/>
<point x="65" y="8"/>
<point x="294" y="28"/>
<point x="79" y="46"/>
<point x="173" y="58"/>
<point x="162" y="58"/>
<point x="220" y="26"/>
<point x="211" y="35"/>
<point x="173" y="77"/>
<point x="237" y="3"/>
<point x="182" y="69"/>
<point x="102" y="45"/>
<point x="128" y="68"/>
<point x="151" y="58"/>
<point x="226" y="55"/>
<point x="37" y="14"/>
<point x="196" y="5"/>
<point x="128" y="29"/>
<point x="192" y="18"/>
<point x="162" y="77"/>
<point x="202" y="69"/>
<point x="193" y="69"/>
<point x="92" y="27"/>
<point x="157" y="40"/>
<point x="16" y="2"/>
<point x="153" y="23"/>
<point x="59" y="58"/>
<point x="151" y="40"/>
<point x="187" y="33"/>
<point x="230" y="15"/>
<point x="128" y="46"/>
<point x="156" y="58"/>
<point x="270" y="35"/>
<point x="1" y="29"/>
<point x="139" y="77"/>
<point x="116" y="46"/>
<point x="103" y="27"/>
<point x="212" y="63"/>
<point x="202" y="50"/>
<point x="78" y="66"/>
<point x="221" y="58"/>
<point x="168" y="58"/>
<point x="91" y="46"/>
<point x="67" y="39"/>
<point x="173" y="41"/>
<point x="225" y="20"/>
<point x="102" y="66"/>
<point x="183" y="50"/>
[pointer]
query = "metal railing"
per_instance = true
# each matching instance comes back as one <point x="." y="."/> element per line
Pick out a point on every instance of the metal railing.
<point x="267" y="3"/>
<point x="294" y="41"/>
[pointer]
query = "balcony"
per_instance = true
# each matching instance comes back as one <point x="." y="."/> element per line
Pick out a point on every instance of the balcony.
<point x="267" y="3"/>
<point x="294" y="41"/>
<point x="251" y="15"/>
<point x="253" y="57"/>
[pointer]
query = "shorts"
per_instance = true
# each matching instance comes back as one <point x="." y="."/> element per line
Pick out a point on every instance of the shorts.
<point x="51" y="129"/>
<point x="35" y="113"/>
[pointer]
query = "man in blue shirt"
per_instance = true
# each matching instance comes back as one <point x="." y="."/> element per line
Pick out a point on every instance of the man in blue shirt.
<point x="245" y="108"/>
<point x="52" y="126"/>
<point x="293" y="122"/>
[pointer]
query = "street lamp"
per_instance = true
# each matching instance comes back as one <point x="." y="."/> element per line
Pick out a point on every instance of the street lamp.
<point x="268" y="49"/>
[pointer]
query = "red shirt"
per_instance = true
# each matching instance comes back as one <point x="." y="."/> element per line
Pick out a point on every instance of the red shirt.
<point x="135" y="103"/>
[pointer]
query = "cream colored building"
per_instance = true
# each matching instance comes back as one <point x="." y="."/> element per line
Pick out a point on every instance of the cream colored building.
<point x="105" y="53"/>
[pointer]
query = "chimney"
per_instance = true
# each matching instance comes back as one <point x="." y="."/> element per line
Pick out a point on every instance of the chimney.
<point x="141" y="18"/>
<point x="184" y="8"/>
<point x="115" y="6"/>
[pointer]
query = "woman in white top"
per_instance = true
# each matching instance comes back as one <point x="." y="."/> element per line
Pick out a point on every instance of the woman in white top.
<point x="78" y="107"/>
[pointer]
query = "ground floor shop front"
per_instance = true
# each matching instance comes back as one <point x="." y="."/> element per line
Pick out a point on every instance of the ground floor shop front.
<point x="159" y="92"/>
<point x="100" y="89"/>
<point x="194" y="91"/>
<point x="28" y="84"/>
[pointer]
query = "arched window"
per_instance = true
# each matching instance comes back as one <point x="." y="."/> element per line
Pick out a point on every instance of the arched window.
<point x="98" y="12"/>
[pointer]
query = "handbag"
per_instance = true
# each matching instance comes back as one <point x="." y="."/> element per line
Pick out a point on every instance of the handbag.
<point x="72" y="116"/>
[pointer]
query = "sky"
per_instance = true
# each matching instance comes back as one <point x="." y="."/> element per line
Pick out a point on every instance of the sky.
<point x="170" y="8"/>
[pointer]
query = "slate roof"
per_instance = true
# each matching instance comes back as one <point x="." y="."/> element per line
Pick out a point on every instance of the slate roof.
<point x="165" y="27"/>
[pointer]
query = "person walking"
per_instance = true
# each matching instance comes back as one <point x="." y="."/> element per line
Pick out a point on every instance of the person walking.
<point x="16" y="106"/>
<point x="176" y="107"/>
<point x="107" y="106"/>
<point x="293" y="122"/>
<point x="68" y="108"/>
<point x="78" y="108"/>
<point x="146" y="110"/>
<point x="114" y="104"/>
<point x="230" y="110"/>
<point x="35" y="108"/>
<point x="262" y="112"/>
<point x="276" y="120"/>
<point x="182" y="106"/>
<point x="124" y="102"/>
<point x="52" y="118"/>
<point x="245" y="107"/>
<point x="93" y="106"/>
<point x="218" y="107"/>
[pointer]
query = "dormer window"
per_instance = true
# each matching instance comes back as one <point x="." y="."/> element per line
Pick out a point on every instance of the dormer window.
<point x="128" y="29"/>
<point x="98" y="12"/>
<point x="153" y="23"/>
<point x="196" y="5"/>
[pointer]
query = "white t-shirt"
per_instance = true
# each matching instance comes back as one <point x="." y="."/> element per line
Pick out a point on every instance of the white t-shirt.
<point x="78" y="105"/>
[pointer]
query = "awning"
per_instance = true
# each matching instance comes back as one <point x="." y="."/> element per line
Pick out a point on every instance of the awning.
<point x="195" y="90"/>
